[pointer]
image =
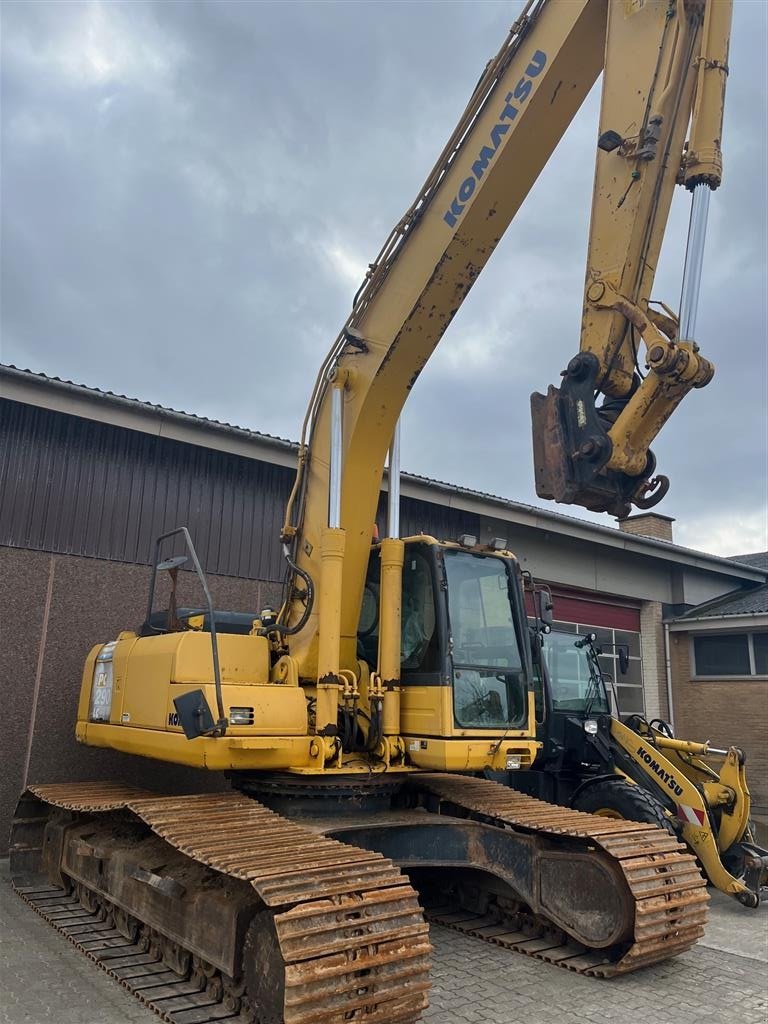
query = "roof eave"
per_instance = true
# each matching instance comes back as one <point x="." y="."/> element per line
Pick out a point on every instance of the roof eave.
<point x="132" y="414"/>
<point x="742" y="620"/>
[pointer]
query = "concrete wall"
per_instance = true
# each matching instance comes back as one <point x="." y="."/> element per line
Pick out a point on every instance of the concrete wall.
<point x="727" y="712"/>
<point x="607" y="570"/>
<point x="54" y="609"/>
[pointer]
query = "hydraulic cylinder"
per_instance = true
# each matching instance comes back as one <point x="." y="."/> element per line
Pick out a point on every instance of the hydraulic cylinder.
<point x="390" y="597"/>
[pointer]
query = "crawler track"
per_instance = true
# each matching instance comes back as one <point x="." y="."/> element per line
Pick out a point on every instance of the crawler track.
<point x="137" y="967"/>
<point x="347" y="937"/>
<point x="668" y="890"/>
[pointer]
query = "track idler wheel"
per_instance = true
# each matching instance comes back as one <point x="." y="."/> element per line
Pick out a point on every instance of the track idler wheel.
<point x="234" y="995"/>
<point x="202" y="973"/>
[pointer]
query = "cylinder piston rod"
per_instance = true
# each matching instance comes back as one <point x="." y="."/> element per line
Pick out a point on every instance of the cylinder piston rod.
<point x="334" y="488"/>
<point x="393" y="504"/>
<point x="694" y="260"/>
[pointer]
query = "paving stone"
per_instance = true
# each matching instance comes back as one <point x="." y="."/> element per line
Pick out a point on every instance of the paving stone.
<point x="44" y="979"/>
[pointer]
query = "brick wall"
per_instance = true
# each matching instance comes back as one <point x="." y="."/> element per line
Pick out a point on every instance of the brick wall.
<point x="654" y="668"/>
<point x="648" y="524"/>
<point x="88" y="601"/>
<point x="727" y="712"/>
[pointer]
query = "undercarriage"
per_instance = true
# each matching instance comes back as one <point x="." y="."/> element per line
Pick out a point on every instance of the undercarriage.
<point x="215" y="907"/>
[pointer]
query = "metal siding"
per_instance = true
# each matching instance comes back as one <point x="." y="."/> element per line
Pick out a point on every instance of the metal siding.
<point x="80" y="487"/>
<point x="439" y="521"/>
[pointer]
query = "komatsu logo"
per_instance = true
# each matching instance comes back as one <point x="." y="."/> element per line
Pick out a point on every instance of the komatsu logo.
<point x="663" y="775"/>
<point x="513" y="102"/>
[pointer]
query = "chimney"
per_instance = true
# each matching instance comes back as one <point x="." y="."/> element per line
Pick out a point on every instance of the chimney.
<point x="648" y="524"/>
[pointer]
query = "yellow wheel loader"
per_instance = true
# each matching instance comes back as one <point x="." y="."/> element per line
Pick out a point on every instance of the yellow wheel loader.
<point x="638" y="771"/>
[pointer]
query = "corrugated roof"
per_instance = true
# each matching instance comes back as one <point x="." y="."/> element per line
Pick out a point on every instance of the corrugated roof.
<point x="759" y="559"/>
<point x="140" y="404"/>
<point x="750" y="602"/>
<point x="611" y="534"/>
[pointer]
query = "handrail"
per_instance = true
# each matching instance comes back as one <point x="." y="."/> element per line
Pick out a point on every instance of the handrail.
<point x="221" y="726"/>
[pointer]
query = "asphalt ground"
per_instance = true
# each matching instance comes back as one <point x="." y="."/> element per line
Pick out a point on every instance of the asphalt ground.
<point x="723" y="980"/>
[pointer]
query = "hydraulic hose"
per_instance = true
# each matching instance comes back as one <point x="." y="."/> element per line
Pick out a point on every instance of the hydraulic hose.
<point x="279" y="627"/>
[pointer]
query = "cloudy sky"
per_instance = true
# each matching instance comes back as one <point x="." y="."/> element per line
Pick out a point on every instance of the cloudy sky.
<point x="192" y="191"/>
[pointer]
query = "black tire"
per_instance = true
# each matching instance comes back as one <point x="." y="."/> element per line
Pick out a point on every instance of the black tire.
<point x="619" y="799"/>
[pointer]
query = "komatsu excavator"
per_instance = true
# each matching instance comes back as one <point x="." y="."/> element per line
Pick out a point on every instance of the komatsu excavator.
<point x="355" y="724"/>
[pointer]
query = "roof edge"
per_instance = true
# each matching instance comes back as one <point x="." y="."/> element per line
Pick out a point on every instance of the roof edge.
<point x="58" y="395"/>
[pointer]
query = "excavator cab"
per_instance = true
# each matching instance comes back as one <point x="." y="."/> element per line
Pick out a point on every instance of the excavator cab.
<point x="466" y="673"/>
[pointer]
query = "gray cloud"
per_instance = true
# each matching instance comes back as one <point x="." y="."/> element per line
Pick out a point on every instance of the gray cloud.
<point x="192" y="191"/>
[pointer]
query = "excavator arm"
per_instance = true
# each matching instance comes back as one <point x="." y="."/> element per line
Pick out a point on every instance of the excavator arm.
<point x="665" y="68"/>
<point x="518" y="112"/>
<point x="659" y="58"/>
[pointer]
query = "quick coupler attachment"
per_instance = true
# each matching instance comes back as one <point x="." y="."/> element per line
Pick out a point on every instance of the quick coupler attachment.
<point x="571" y="447"/>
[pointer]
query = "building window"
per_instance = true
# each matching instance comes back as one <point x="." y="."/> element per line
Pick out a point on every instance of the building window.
<point x="629" y="687"/>
<point x="730" y="654"/>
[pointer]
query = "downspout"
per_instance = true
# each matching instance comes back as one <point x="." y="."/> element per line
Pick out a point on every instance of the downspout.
<point x="668" y="670"/>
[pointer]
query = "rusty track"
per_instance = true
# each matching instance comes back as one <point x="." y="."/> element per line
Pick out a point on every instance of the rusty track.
<point x="317" y="892"/>
<point x="348" y="925"/>
<point x="140" y="970"/>
<point x="667" y="887"/>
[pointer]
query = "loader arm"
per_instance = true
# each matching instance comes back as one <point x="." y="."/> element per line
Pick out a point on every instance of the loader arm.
<point x="638" y="770"/>
<point x="698" y="796"/>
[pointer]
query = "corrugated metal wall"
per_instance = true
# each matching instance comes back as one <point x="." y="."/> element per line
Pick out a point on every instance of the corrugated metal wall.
<point x="80" y="487"/>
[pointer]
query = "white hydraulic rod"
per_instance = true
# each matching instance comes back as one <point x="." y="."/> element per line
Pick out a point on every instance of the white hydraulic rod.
<point x="334" y="489"/>
<point x="694" y="261"/>
<point x="393" y="503"/>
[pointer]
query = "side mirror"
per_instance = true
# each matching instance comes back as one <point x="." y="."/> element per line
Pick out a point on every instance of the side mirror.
<point x="544" y="608"/>
<point x="623" y="660"/>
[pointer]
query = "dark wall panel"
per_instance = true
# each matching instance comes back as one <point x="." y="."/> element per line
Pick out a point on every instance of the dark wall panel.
<point x="439" y="521"/>
<point x="79" y="487"/>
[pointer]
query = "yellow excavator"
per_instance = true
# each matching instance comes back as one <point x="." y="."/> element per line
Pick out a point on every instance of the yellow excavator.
<point x="356" y="722"/>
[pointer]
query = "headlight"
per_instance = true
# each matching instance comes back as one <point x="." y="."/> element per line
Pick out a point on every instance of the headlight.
<point x="241" y="716"/>
<point x="590" y="726"/>
<point x="513" y="761"/>
<point x="101" y="689"/>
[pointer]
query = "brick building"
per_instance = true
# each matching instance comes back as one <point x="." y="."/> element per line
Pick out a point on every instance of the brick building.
<point x="719" y="671"/>
<point x="89" y="479"/>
